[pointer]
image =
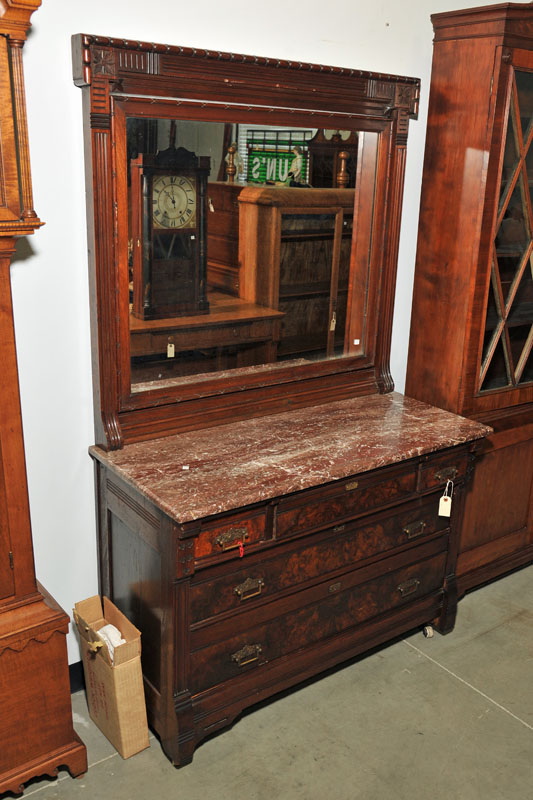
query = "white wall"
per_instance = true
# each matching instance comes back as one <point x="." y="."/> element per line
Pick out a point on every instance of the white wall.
<point x="50" y="278"/>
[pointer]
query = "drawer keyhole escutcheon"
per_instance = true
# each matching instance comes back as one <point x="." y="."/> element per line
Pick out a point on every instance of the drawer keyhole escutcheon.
<point x="351" y="486"/>
<point x="409" y="587"/>
<point x="446" y="474"/>
<point x="250" y="588"/>
<point x="415" y="529"/>
<point x="232" y="538"/>
<point x="247" y="654"/>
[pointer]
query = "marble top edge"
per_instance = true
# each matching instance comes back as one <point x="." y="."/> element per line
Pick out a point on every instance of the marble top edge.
<point x="211" y="471"/>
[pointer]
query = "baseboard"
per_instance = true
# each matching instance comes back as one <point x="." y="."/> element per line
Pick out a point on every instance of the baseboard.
<point x="77" y="679"/>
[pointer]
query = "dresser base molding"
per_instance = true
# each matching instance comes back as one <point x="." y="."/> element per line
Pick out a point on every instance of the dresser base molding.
<point x="36" y="728"/>
<point x="213" y="711"/>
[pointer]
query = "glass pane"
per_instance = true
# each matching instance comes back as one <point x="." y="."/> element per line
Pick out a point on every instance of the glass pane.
<point x="521" y="311"/>
<point x="518" y="338"/>
<point x="510" y="158"/>
<point x="231" y="249"/>
<point x="497" y="374"/>
<point x="524" y="87"/>
<point x="512" y="238"/>
<point x="493" y="313"/>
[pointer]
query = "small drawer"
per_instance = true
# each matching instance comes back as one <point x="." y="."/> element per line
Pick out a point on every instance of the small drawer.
<point x="217" y="538"/>
<point x="436" y="472"/>
<point x="341" y="501"/>
<point x="332" y="551"/>
<point x="325" y="611"/>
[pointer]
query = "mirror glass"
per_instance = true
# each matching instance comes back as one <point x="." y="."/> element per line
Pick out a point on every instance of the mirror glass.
<point x="239" y="247"/>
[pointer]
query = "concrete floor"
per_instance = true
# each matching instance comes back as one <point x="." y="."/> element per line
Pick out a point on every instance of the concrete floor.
<point x="448" y="717"/>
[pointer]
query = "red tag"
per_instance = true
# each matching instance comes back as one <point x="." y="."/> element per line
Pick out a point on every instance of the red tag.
<point x="241" y="549"/>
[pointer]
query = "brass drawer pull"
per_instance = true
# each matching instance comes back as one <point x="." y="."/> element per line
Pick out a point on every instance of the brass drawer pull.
<point x="250" y="588"/>
<point x="351" y="486"/>
<point x="409" y="587"/>
<point x="249" y="653"/>
<point x="232" y="538"/>
<point x="446" y="474"/>
<point x="415" y="529"/>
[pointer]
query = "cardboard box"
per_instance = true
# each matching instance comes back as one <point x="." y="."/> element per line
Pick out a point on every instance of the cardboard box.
<point x="115" y="691"/>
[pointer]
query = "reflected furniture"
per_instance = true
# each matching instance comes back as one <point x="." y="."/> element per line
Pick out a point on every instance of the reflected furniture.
<point x="262" y="523"/>
<point x="304" y="270"/>
<point x="36" y="732"/>
<point x="325" y="162"/>
<point x="471" y="344"/>
<point x="223" y="271"/>
<point x="236" y="333"/>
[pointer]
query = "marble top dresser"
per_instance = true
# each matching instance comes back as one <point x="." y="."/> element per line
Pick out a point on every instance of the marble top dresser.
<point x="256" y="554"/>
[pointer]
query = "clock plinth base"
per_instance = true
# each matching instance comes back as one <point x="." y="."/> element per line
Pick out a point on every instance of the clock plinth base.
<point x="36" y="728"/>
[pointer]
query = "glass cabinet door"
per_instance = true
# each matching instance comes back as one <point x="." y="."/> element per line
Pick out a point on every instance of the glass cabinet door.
<point x="507" y="359"/>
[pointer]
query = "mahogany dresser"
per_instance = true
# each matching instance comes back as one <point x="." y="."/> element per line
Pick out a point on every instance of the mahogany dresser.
<point x="259" y="553"/>
<point x="259" y="518"/>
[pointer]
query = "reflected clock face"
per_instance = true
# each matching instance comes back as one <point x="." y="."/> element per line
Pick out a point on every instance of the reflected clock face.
<point x="173" y="202"/>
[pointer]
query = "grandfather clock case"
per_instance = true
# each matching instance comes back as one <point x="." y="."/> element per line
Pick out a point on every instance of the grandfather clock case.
<point x="472" y="321"/>
<point x="36" y="731"/>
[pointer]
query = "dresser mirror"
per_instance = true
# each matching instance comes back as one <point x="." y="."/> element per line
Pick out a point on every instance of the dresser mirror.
<point x="198" y="305"/>
<point x="243" y="219"/>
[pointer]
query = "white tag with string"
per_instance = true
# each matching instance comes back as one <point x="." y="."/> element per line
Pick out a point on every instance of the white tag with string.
<point x="445" y="503"/>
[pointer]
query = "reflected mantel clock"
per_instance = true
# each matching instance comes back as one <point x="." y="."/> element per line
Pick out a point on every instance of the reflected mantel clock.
<point x="36" y="731"/>
<point x="169" y="254"/>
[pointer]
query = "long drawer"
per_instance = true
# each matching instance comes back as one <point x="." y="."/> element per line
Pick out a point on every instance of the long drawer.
<point x="342" y="500"/>
<point x="321" y="612"/>
<point x="256" y="579"/>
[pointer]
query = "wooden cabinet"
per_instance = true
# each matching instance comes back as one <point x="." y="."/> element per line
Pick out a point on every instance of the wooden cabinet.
<point x="471" y="346"/>
<point x="36" y="732"/>
<point x="244" y="581"/>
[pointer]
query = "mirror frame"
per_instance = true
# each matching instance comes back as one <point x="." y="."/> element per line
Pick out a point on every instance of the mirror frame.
<point x="189" y="83"/>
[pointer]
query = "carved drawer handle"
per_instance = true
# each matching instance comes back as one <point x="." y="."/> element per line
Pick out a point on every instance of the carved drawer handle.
<point x="409" y="587"/>
<point x="250" y="588"/>
<point x="232" y="538"/>
<point x="446" y="474"/>
<point x="351" y="486"/>
<point x="415" y="529"/>
<point x="249" y="653"/>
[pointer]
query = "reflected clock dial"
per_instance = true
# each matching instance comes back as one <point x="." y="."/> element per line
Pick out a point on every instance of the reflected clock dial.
<point x="174" y="202"/>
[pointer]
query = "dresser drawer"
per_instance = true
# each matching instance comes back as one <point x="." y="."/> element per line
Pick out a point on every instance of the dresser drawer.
<point x="323" y="611"/>
<point x="222" y="537"/>
<point x="331" y="551"/>
<point x="439" y="470"/>
<point x="340" y="501"/>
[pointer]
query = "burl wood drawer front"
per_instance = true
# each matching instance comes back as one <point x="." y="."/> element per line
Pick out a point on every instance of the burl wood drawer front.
<point x="439" y="470"/>
<point x="335" y="607"/>
<point x="340" y="501"/>
<point x="221" y="537"/>
<point x="337" y="549"/>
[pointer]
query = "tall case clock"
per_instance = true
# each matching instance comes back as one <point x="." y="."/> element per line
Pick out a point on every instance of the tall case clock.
<point x="471" y="344"/>
<point x="36" y="731"/>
